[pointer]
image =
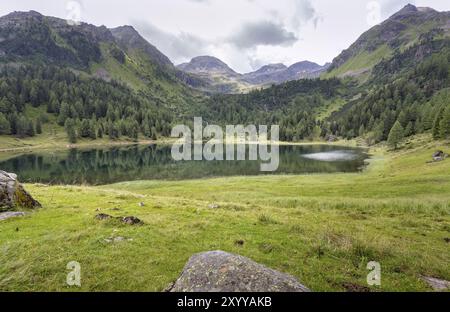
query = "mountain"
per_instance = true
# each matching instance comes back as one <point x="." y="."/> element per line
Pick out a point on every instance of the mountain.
<point x="221" y="77"/>
<point x="397" y="33"/>
<point x="130" y="40"/>
<point x="279" y="73"/>
<point x="397" y="72"/>
<point x="120" y="54"/>
<point x="207" y="65"/>
<point x="218" y="76"/>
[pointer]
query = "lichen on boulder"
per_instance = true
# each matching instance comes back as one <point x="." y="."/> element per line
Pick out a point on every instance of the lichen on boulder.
<point x="13" y="195"/>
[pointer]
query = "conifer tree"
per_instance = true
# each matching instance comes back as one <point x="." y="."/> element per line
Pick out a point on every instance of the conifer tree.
<point x="395" y="135"/>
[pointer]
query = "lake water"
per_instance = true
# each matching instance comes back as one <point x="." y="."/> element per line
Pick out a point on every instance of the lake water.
<point x="117" y="164"/>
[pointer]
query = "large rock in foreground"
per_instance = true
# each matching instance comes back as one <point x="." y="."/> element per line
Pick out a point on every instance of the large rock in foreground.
<point x="218" y="271"/>
<point x="12" y="193"/>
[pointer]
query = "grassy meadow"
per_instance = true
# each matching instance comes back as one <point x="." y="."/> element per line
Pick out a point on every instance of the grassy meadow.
<point x="322" y="229"/>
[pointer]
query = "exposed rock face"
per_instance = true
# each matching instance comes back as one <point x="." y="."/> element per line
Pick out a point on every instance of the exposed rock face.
<point x="218" y="271"/>
<point x="12" y="193"/>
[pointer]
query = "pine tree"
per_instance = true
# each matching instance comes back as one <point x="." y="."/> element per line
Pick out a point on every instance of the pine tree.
<point x="5" y="126"/>
<point x="437" y="125"/>
<point x="100" y="132"/>
<point x="38" y="126"/>
<point x="70" y="129"/>
<point x="395" y="135"/>
<point x="30" y="131"/>
<point x="444" y="124"/>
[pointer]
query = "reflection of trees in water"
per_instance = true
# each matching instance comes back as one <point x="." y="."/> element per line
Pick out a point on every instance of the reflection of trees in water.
<point x="111" y="165"/>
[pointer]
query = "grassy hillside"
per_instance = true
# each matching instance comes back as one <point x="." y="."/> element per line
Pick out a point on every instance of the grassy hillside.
<point x="403" y="30"/>
<point x="323" y="229"/>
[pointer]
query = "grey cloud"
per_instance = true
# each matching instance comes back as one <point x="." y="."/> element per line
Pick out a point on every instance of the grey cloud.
<point x="304" y="13"/>
<point x="178" y="47"/>
<point x="262" y="33"/>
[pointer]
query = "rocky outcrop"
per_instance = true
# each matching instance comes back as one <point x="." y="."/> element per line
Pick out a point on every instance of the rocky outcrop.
<point x="12" y="193"/>
<point x="218" y="271"/>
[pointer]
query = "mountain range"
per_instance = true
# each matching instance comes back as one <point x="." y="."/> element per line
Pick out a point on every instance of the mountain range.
<point x="220" y="74"/>
<point x="393" y="71"/>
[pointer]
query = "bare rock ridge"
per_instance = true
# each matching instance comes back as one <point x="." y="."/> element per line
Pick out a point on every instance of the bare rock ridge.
<point x="12" y="193"/>
<point x="218" y="271"/>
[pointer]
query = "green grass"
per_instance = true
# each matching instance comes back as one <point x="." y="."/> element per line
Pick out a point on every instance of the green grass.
<point x="323" y="229"/>
<point x="360" y="63"/>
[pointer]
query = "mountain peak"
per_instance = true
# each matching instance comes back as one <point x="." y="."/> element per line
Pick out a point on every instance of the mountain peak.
<point x="270" y="68"/>
<point x="129" y="38"/>
<point x="22" y="15"/>
<point x="207" y="64"/>
<point x="407" y="10"/>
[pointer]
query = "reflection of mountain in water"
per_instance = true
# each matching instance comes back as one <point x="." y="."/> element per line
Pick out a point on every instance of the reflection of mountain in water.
<point x="110" y="165"/>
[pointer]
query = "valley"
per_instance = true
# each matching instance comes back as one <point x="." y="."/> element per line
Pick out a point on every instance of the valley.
<point x="86" y="120"/>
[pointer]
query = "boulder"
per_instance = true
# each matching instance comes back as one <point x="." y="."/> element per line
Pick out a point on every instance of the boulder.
<point x="438" y="154"/>
<point x="436" y="284"/>
<point x="10" y="214"/>
<point x="132" y="221"/>
<point x="12" y="193"/>
<point x="218" y="271"/>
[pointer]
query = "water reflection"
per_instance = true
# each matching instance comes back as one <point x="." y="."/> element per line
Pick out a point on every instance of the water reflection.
<point x="110" y="165"/>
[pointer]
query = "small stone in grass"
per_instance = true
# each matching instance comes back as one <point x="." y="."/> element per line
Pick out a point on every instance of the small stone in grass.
<point x="117" y="239"/>
<point x="141" y="204"/>
<point x="239" y="242"/>
<point x="103" y="216"/>
<point x="213" y="206"/>
<point x="132" y="221"/>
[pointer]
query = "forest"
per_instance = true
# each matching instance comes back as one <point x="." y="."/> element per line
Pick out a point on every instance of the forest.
<point x="86" y="107"/>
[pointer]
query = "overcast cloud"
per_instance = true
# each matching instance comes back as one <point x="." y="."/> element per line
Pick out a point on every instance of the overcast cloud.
<point x="243" y="33"/>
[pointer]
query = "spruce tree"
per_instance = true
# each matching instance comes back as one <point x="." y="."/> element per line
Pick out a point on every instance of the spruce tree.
<point x="5" y="127"/>
<point x="70" y="129"/>
<point x="38" y="126"/>
<point x="437" y="125"/>
<point x="395" y="135"/>
<point x="444" y="124"/>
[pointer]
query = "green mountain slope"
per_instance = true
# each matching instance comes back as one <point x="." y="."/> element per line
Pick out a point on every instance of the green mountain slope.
<point x="401" y="31"/>
<point x="119" y="54"/>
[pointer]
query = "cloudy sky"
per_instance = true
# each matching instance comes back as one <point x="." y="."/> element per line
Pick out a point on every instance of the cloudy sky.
<point x="246" y="34"/>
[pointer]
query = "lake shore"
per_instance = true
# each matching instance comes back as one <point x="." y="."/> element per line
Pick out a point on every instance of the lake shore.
<point x="17" y="145"/>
